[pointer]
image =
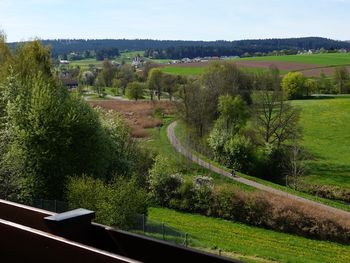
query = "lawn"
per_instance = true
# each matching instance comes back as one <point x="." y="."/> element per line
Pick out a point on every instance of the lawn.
<point x="326" y="127"/>
<point x="250" y="244"/>
<point x="331" y="59"/>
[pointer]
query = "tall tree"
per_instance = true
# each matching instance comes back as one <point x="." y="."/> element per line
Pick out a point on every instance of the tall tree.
<point x="276" y="119"/>
<point x="125" y="75"/>
<point x="107" y="73"/>
<point x="155" y="82"/>
<point x="340" y="77"/>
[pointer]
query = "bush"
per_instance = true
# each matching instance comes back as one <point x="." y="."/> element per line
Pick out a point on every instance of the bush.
<point x="115" y="204"/>
<point x="261" y="209"/>
<point x="164" y="181"/>
<point x="239" y="153"/>
<point x="135" y="90"/>
<point x="293" y="85"/>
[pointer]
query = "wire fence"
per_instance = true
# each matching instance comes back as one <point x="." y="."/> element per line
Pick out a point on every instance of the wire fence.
<point x="148" y="227"/>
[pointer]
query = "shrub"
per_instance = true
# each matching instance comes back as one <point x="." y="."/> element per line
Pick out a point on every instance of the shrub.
<point x="293" y="85"/>
<point x="115" y="204"/>
<point x="135" y="90"/>
<point x="239" y="153"/>
<point x="164" y="181"/>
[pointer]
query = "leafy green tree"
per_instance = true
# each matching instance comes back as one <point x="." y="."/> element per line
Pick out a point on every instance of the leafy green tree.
<point x="155" y="81"/>
<point x="87" y="78"/>
<point x="170" y="84"/>
<point x="107" y="73"/>
<point x="293" y="85"/>
<point x="324" y="84"/>
<point x="340" y="77"/>
<point x="135" y="90"/>
<point x="233" y="113"/>
<point x="311" y="86"/>
<point x="125" y="75"/>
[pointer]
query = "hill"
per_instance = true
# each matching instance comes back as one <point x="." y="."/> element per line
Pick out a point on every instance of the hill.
<point x="192" y="48"/>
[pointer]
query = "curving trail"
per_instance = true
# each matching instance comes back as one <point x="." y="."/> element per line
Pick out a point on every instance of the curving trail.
<point x="182" y="150"/>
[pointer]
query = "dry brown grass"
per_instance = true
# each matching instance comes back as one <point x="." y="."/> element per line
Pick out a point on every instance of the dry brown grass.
<point x="138" y="114"/>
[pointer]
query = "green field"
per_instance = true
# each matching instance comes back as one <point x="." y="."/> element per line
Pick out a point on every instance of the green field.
<point x="183" y="71"/>
<point x="330" y="59"/>
<point x="84" y="63"/>
<point x="250" y="244"/>
<point x="326" y="127"/>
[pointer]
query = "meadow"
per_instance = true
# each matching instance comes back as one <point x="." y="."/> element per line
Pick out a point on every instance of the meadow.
<point x="245" y="242"/>
<point x="326" y="126"/>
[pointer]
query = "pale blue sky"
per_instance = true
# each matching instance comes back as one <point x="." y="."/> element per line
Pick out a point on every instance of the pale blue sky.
<point x="177" y="19"/>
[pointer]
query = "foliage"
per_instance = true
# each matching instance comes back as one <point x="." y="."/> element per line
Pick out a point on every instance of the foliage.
<point x="341" y="78"/>
<point x="293" y="85"/>
<point x="50" y="134"/>
<point x="135" y="90"/>
<point x="154" y="82"/>
<point x="115" y="204"/>
<point x="107" y="74"/>
<point x="164" y="180"/>
<point x="125" y="75"/>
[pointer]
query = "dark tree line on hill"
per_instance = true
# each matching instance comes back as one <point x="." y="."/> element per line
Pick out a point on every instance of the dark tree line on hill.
<point x="218" y="48"/>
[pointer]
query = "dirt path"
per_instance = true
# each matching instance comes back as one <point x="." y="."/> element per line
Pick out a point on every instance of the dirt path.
<point x="177" y="145"/>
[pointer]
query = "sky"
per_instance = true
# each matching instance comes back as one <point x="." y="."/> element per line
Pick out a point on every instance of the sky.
<point x="176" y="19"/>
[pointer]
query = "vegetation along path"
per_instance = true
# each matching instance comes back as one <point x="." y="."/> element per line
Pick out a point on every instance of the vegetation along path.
<point x="188" y="154"/>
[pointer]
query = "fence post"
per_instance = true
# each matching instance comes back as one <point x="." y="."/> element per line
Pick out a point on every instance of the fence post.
<point x="163" y="231"/>
<point x="41" y="203"/>
<point x="143" y="223"/>
<point x="55" y="204"/>
<point x="186" y="240"/>
<point x="219" y="252"/>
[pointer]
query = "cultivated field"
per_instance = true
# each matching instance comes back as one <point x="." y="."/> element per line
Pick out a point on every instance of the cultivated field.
<point x="310" y="65"/>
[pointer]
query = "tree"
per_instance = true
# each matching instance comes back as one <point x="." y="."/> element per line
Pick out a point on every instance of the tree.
<point x="107" y="73"/>
<point x="324" y="84"/>
<point x="155" y="82"/>
<point x="87" y="78"/>
<point x="276" y="119"/>
<point x="170" y="84"/>
<point x="135" y="90"/>
<point x="293" y="85"/>
<point x="340" y="77"/>
<point x="311" y="86"/>
<point x="233" y="113"/>
<point x="195" y="108"/>
<point x="125" y="75"/>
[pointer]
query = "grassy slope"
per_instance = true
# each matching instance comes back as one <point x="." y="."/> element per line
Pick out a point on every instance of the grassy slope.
<point x="180" y="134"/>
<point x="251" y="242"/>
<point x="319" y="59"/>
<point x="326" y="126"/>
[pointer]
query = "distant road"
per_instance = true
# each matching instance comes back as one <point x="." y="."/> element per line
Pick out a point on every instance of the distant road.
<point x="176" y="143"/>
